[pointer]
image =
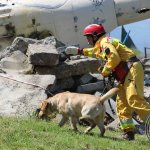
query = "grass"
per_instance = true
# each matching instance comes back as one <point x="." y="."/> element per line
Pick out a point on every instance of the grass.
<point x="32" y="134"/>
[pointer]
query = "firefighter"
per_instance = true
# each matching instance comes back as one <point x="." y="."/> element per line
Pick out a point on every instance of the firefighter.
<point x="125" y="67"/>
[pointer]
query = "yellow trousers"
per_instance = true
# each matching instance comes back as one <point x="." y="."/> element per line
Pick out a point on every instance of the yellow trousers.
<point x="130" y="97"/>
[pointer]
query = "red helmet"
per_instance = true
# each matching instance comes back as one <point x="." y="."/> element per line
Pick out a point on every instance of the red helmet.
<point x="94" y="30"/>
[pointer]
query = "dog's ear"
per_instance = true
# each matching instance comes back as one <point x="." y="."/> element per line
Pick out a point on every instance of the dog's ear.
<point x="44" y="104"/>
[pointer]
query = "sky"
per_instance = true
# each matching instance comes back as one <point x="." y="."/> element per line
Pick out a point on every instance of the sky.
<point x="139" y="32"/>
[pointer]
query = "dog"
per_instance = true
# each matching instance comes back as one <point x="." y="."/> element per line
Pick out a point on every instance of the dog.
<point x="76" y="106"/>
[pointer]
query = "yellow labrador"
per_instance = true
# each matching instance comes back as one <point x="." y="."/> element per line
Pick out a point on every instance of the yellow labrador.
<point x="75" y="107"/>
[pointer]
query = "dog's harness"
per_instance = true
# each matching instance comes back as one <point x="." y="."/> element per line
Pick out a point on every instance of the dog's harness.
<point x="121" y="71"/>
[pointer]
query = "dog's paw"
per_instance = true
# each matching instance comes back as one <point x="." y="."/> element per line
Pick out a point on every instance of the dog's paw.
<point x="102" y="133"/>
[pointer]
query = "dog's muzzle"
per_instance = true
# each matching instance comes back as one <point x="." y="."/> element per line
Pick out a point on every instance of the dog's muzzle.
<point x="39" y="114"/>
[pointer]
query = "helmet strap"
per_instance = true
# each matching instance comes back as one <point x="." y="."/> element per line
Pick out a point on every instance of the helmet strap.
<point x="95" y="38"/>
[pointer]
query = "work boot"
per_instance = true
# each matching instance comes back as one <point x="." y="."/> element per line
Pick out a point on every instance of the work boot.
<point x="129" y="135"/>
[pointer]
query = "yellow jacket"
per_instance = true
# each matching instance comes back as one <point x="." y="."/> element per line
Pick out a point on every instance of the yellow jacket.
<point x="110" y="50"/>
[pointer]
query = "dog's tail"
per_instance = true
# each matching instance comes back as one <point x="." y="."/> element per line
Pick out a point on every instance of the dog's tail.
<point x="108" y="95"/>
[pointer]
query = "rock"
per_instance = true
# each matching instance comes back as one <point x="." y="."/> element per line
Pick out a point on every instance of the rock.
<point x="147" y="64"/>
<point x="70" y="68"/>
<point x="147" y="67"/>
<point x="51" y="40"/>
<point x="147" y="93"/>
<point x="61" y="85"/>
<point x="146" y="80"/>
<point x="21" y="94"/>
<point x="98" y="76"/>
<point x="91" y="87"/>
<point x="17" y="63"/>
<point x="86" y="78"/>
<point x="21" y="44"/>
<point x="43" y="55"/>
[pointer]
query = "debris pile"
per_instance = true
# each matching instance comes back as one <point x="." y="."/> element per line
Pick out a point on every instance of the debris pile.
<point x="32" y="70"/>
<point x="43" y="58"/>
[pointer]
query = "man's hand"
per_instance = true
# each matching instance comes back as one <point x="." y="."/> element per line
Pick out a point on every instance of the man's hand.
<point x="100" y="69"/>
<point x="104" y="71"/>
<point x="72" y="50"/>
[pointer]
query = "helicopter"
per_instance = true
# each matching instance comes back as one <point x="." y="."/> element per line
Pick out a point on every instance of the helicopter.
<point x="65" y="19"/>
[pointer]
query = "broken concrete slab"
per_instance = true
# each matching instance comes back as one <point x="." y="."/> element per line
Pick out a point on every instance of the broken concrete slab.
<point x="147" y="64"/>
<point x="70" y="68"/>
<point x="36" y="80"/>
<point x="51" y="40"/>
<point x="61" y="85"/>
<point x="86" y="78"/>
<point x="98" y="76"/>
<point x="16" y="63"/>
<point x="147" y="67"/>
<point x="91" y="87"/>
<point x="21" y="94"/>
<point x="147" y="93"/>
<point x="147" y="71"/>
<point x="21" y="44"/>
<point x="43" y="55"/>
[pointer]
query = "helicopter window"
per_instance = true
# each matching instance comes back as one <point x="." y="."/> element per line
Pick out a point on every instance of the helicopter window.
<point x="2" y="5"/>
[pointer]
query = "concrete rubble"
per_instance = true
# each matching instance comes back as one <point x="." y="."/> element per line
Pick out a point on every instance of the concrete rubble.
<point x="28" y="58"/>
<point x="43" y="55"/>
<point x="31" y="70"/>
<point x="17" y="62"/>
<point x="21" y="94"/>
<point x="70" y="68"/>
